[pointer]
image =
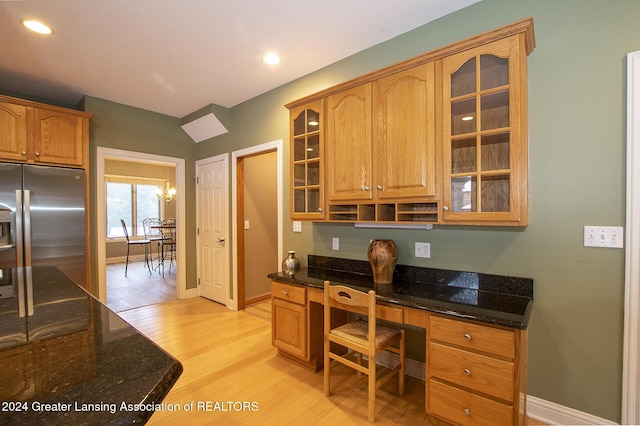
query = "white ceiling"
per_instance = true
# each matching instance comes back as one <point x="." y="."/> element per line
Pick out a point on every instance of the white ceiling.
<point x="177" y="56"/>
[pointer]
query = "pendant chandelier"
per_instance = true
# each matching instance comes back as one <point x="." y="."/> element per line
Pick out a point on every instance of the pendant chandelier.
<point x="167" y="194"/>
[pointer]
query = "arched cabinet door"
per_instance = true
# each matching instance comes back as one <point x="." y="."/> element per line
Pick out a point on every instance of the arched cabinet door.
<point x="307" y="168"/>
<point x="485" y="134"/>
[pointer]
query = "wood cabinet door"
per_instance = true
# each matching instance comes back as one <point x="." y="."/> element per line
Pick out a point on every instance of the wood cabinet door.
<point x="57" y="137"/>
<point x="485" y="134"/>
<point x="404" y="154"/>
<point x="13" y="132"/>
<point x="348" y="145"/>
<point x="289" y="327"/>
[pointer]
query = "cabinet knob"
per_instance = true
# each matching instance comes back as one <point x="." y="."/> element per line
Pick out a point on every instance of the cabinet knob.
<point x="467" y="371"/>
<point x="380" y="187"/>
<point x="466" y="412"/>
<point x="286" y="293"/>
<point x="467" y="336"/>
<point x="366" y="188"/>
<point x="319" y="209"/>
<point x="37" y="154"/>
<point x="24" y="152"/>
<point x="445" y="208"/>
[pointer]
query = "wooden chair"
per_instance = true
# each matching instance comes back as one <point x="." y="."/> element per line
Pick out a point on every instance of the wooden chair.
<point x="145" y="243"/>
<point x="362" y="337"/>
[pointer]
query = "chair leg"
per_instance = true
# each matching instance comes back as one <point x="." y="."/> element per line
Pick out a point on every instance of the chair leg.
<point x="402" y="365"/>
<point x="372" y="389"/>
<point x="327" y="367"/>
<point x="126" y="265"/>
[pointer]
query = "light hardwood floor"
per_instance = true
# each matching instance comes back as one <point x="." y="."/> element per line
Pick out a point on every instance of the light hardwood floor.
<point x="228" y="359"/>
<point x="139" y="287"/>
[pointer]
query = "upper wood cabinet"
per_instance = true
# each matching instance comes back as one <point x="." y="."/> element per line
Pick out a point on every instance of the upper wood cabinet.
<point x="485" y="134"/>
<point x="43" y="134"/>
<point x="307" y="161"/>
<point x="440" y="138"/>
<point x="349" y="162"/>
<point x="404" y="160"/>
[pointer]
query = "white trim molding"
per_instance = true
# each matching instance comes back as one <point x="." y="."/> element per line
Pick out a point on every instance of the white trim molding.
<point x="101" y="217"/>
<point x="631" y="349"/>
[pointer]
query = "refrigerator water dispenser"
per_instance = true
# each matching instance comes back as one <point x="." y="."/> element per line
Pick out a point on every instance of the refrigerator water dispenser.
<point x="5" y="227"/>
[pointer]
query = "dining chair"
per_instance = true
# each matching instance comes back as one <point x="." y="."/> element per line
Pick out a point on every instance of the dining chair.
<point x="146" y="243"/>
<point x="152" y="234"/>
<point x="360" y="337"/>
<point x="168" y="243"/>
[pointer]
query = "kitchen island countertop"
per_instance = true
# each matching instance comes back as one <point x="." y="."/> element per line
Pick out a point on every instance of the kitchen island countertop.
<point x="67" y="359"/>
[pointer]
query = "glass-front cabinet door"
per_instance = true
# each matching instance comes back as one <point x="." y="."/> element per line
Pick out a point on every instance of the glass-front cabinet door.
<point x="307" y="171"/>
<point x="485" y="134"/>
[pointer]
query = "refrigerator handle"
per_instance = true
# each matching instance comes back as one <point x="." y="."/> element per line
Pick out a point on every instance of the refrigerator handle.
<point x="19" y="229"/>
<point x="27" y="227"/>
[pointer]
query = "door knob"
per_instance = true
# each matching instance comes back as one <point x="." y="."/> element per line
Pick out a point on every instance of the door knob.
<point x="220" y="241"/>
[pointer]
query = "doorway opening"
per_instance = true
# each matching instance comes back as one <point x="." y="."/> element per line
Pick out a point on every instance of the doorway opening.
<point x="105" y="154"/>
<point x="247" y="218"/>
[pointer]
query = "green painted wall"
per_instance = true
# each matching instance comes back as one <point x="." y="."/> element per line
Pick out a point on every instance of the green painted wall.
<point x="577" y="177"/>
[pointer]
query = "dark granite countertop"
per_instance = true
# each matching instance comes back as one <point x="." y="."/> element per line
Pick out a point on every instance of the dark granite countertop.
<point x="493" y="299"/>
<point x="67" y="359"/>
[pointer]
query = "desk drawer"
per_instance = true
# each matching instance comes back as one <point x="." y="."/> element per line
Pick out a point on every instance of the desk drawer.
<point x="473" y="336"/>
<point x="473" y="371"/>
<point x="389" y="313"/>
<point x="465" y="408"/>
<point x="289" y="292"/>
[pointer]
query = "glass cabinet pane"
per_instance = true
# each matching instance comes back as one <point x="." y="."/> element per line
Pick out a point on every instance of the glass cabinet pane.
<point x="299" y="124"/>
<point x="494" y="72"/>
<point x="313" y="173"/>
<point x="495" y="110"/>
<point x="463" y="81"/>
<point x="313" y="200"/>
<point x="299" y="178"/>
<point x="463" y="116"/>
<point x="495" y="152"/>
<point x="299" y="200"/>
<point x="299" y="148"/>
<point x="463" y="156"/>
<point x="495" y="193"/>
<point x="313" y="120"/>
<point x="463" y="194"/>
<point x="313" y="146"/>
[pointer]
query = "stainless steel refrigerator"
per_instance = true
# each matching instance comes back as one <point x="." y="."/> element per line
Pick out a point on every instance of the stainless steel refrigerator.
<point x="42" y="218"/>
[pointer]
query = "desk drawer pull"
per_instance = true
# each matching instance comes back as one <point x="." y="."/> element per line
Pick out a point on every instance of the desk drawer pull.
<point x="466" y="412"/>
<point x="286" y="293"/>
<point x="467" y="336"/>
<point x="467" y="371"/>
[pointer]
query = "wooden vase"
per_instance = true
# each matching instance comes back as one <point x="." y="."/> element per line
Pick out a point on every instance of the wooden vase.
<point x="383" y="255"/>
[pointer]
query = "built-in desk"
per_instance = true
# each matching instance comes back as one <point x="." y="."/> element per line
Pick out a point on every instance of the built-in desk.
<point x="67" y="359"/>
<point x="476" y="331"/>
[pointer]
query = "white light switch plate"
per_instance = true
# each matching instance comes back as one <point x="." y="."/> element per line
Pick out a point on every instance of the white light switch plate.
<point x="297" y="226"/>
<point x="604" y="236"/>
<point x="336" y="243"/>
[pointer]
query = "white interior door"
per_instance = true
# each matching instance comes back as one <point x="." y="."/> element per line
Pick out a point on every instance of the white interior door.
<point x="212" y="219"/>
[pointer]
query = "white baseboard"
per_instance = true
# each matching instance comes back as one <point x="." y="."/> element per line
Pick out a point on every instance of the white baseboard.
<point x="192" y="292"/>
<point x="556" y="414"/>
<point x="538" y="409"/>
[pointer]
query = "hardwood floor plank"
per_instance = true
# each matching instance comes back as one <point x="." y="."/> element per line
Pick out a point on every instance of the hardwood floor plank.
<point x="228" y="359"/>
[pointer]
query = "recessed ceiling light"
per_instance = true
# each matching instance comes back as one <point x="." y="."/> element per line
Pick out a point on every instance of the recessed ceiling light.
<point x="37" y="26"/>
<point x="271" y="59"/>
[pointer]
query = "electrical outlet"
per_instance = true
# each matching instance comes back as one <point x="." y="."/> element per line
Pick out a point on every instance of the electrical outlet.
<point x="604" y="236"/>
<point x="336" y="243"/>
<point x="423" y="250"/>
<point x="297" y="226"/>
<point x="246" y="224"/>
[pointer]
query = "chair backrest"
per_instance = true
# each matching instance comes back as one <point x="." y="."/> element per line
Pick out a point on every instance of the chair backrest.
<point x="169" y="221"/>
<point x="349" y="299"/>
<point x="148" y="230"/>
<point x="124" y="229"/>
